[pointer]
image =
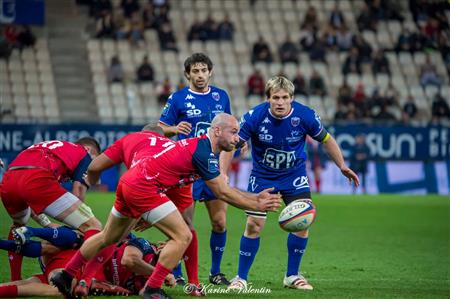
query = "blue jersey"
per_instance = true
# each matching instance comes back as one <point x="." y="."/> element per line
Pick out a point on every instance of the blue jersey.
<point x="278" y="146"/>
<point x="196" y="108"/>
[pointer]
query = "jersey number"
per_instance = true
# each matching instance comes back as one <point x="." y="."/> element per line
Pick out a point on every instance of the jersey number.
<point x="52" y="144"/>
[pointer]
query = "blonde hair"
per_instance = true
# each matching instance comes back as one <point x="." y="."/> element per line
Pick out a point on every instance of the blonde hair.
<point x="277" y="83"/>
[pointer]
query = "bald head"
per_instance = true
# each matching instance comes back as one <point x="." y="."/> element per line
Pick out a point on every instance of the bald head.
<point x="223" y="120"/>
<point x="153" y="128"/>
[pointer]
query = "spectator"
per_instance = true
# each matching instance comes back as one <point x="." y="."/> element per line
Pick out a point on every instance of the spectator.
<point x="145" y="72"/>
<point x="340" y="115"/>
<point x="255" y="83"/>
<point x="211" y="28"/>
<point x="181" y="84"/>
<point x="403" y="41"/>
<point x="149" y="16"/>
<point x="329" y="37"/>
<point x="11" y="35"/>
<point x="366" y="20"/>
<point x="428" y="74"/>
<point x="336" y="17"/>
<point x="299" y="84"/>
<point x="136" y="30"/>
<point x="167" y="40"/>
<point x="391" y="95"/>
<point x="317" y="84"/>
<point x="359" y="159"/>
<point x="364" y="48"/>
<point x="5" y="47"/>
<point x="344" y="39"/>
<point x="123" y="28"/>
<point x="25" y="37"/>
<point x="318" y="50"/>
<point x="439" y="109"/>
<point x="129" y="7"/>
<point x="288" y="51"/>
<point x="409" y="110"/>
<point x="226" y="29"/>
<point x="308" y="37"/>
<point x="164" y="90"/>
<point x="197" y="31"/>
<point x="345" y="93"/>
<point x="352" y="63"/>
<point x="380" y="63"/>
<point x="311" y="19"/>
<point x="161" y="15"/>
<point x="115" y="71"/>
<point x="359" y="96"/>
<point x="384" y="115"/>
<point x="98" y="8"/>
<point x="105" y="27"/>
<point x="261" y="51"/>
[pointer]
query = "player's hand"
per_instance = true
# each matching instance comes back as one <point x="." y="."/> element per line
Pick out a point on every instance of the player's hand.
<point x="170" y="280"/>
<point x="351" y="175"/>
<point x="184" y="128"/>
<point x="244" y="150"/>
<point x="142" y="225"/>
<point x="2" y="164"/>
<point x="268" y="201"/>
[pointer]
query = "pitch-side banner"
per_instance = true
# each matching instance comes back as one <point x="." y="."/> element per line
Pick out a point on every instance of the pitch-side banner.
<point x="25" y="12"/>
<point x="385" y="142"/>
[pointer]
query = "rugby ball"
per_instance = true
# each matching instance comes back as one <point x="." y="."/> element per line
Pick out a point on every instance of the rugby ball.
<point x="297" y="216"/>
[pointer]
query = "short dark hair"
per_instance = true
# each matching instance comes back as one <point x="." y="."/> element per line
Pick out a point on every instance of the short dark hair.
<point x="197" y="58"/>
<point x="88" y="140"/>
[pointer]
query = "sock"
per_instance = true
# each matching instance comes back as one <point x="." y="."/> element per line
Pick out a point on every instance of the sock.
<point x="177" y="271"/>
<point x="217" y="245"/>
<point x="15" y="262"/>
<point x="296" y="247"/>
<point x="96" y="263"/>
<point x="157" y="278"/>
<point x="318" y="185"/>
<point x="247" y="252"/>
<point x="60" y="236"/>
<point x="191" y="260"/>
<point x="8" y="291"/>
<point x="75" y="264"/>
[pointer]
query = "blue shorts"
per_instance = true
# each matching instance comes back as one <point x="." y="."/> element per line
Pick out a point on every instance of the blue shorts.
<point x="201" y="192"/>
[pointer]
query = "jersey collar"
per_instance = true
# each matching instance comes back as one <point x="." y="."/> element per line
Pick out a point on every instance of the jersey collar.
<point x="200" y="93"/>
<point x="284" y="117"/>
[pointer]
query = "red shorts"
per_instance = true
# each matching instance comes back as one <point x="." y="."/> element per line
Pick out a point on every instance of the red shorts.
<point x="58" y="261"/>
<point x="181" y="197"/>
<point x="35" y="188"/>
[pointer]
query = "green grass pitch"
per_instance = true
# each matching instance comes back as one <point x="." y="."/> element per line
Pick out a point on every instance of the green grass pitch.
<point x="387" y="246"/>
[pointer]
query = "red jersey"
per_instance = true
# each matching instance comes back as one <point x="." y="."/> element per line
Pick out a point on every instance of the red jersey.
<point x="66" y="160"/>
<point x="117" y="274"/>
<point x="133" y="147"/>
<point x="177" y="164"/>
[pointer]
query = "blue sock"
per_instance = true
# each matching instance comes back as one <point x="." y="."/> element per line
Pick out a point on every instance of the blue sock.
<point x="217" y="245"/>
<point x="177" y="271"/>
<point x="29" y="249"/>
<point x="247" y="252"/>
<point x="60" y="236"/>
<point x="296" y="247"/>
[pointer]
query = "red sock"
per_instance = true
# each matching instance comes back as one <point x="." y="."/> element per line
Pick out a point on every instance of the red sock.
<point x="318" y="185"/>
<point x="96" y="263"/>
<point x="157" y="278"/>
<point x="191" y="259"/>
<point x="75" y="264"/>
<point x="9" y="291"/>
<point x="15" y="262"/>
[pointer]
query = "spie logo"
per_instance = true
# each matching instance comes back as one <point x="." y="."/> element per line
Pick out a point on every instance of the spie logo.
<point x="192" y="110"/>
<point x="264" y="135"/>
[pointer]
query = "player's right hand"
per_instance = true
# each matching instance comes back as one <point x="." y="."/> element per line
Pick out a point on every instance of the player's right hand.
<point x="267" y="201"/>
<point x="184" y="128"/>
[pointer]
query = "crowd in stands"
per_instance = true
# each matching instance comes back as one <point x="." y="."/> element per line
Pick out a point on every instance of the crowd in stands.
<point x="15" y="37"/>
<point x="209" y="29"/>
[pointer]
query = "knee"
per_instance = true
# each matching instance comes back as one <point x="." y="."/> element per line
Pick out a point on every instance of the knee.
<point x="253" y="229"/>
<point x="219" y="224"/>
<point x="184" y="239"/>
<point x="302" y="233"/>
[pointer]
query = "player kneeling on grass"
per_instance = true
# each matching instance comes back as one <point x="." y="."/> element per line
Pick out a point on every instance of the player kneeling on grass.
<point x="32" y="184"/>
<point x="277" y="130"/>
<point x="123" y="274"/>
<point x="141" y="193"/>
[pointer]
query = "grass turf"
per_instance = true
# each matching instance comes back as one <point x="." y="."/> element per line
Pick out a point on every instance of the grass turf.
<point x="387" y="246"/>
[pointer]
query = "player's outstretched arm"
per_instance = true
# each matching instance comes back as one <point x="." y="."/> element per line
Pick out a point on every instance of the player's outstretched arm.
<point x="132" y="259"/>
<point x="182" y="128"/>
<point x="263" y="201"/>
<point x="96" y="167"/>
<point x="333" y="150"/>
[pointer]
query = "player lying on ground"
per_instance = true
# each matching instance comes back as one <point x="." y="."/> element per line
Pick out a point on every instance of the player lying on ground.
<point x="123" y="274"/>
<point x="32" y="183"/>
<point x="142" y="193"/>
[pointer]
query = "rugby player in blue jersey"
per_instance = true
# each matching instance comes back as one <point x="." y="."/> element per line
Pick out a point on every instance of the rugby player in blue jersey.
<point x="277" y="130"/>
<point x="188" y="113"/>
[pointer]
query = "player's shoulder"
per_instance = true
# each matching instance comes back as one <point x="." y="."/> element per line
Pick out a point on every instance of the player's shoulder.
<point x="259" y="111"/>
<point x="217" y="89"/>
<point x="301" y="109"/>
<point x="218" y="93"/>
<point x="179" y="95"/>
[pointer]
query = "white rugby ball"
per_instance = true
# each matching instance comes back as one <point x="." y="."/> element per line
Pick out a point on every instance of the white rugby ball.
<point x="297" y="216"/>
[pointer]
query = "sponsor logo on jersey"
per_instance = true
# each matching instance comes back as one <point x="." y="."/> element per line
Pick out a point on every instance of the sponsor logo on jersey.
<point x="192" y="111"/>
<point x="301" y="182"/>
<point x="277" y="159"/>
<point x="166" y="109"/>
<point x="295" y="136"/>
<point x="266" y="121"/>
<point x="201" y="128"/>
<point x="213" y="164"/>
<point x="295" y="121"/>
<point x="264" y="135"/>
<point x="189" y="97"/>
<point x="215" y="95"/>
<point x="219" y="107"/>
<point x="317" y="117"/>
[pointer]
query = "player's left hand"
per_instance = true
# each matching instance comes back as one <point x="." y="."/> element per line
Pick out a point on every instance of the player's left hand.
<point x="170" y="280"/>
<point x="268" y="201"/>
<point x="142" y="225"/>
<point x="351" y="175"/>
